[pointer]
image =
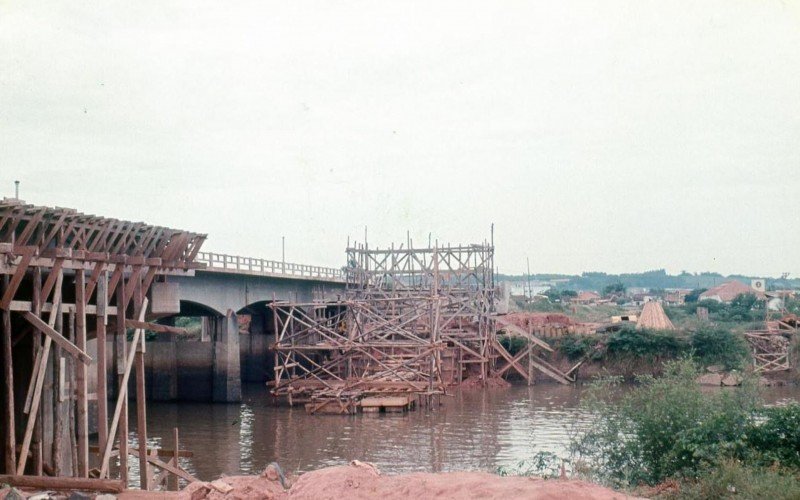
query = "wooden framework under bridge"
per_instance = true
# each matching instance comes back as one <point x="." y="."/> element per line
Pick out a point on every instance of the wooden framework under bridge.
<point x="68" y="277"/>
<point x="343" y="352"/>
<point x="463" y="275"/>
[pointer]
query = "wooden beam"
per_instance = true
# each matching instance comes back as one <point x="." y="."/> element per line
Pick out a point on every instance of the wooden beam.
<point x="175" y="470"/>
<point x="22" y="268"/>
<point x="63" y="483"/>
<point x="39" y="372"/>
<point x="122" y="396"/>
<point x="160" y="452"/>
<point x="102" y="375"/>
<point x="8" y="376"/>
<point x="82" y="431"/>
<point x="58" y="338"/>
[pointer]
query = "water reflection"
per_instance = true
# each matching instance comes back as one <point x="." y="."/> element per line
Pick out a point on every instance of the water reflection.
<point x="473" y="430"/>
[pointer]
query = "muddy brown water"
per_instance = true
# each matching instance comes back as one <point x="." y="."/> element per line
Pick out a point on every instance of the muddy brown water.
<point x="472" y="430"/>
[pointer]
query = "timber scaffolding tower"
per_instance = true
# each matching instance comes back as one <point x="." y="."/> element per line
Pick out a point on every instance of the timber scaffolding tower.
<point x="413" y="321"/>
<point x="69" y="278"/>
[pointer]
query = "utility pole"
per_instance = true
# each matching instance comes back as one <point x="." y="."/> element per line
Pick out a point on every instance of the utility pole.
<point x="283" y="254"/>
<point x="530" y="290"/>
<point x="16" y="190"/>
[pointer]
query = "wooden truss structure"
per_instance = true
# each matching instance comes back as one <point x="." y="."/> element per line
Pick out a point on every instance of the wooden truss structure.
<point x="412" y="321"/>
<point x="771" y="347"/>
<point x="68" y="277"/>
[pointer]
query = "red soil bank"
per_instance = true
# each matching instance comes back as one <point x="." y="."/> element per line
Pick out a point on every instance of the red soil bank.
<point x="363" y="481"/>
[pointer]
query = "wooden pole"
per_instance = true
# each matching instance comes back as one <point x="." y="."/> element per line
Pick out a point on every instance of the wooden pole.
<point x="141" y="408"/>
<point x="122" y="396"/>
<point x="172" y="480"/>
<point x="102" y="390"/>
<point x="58" y="417"/>
<point x="8" y="376"/>
<point x="121" y="410"/>
<point x="82" y="431"/>
<point x="63" y="483"/>
<point x="37" y="392"/>
<point x="38" y="464"/>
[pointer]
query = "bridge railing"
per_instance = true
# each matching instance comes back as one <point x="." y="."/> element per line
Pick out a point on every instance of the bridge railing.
<point x="236" y="263"/>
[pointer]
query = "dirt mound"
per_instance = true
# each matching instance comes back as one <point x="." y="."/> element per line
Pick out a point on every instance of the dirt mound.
<point x="527" y="320"/>
<point x="361" y="480"/>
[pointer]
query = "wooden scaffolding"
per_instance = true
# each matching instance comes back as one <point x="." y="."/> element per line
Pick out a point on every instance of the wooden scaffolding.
<point x="771" y="347"/>
<point x="68" y="278"/>
<point x="411" y="320"/>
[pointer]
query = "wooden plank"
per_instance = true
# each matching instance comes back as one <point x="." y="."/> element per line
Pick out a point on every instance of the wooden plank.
<point x="172" y="481"/>
<point x="22" y="268"/>
<point x="175" y="470"/>
<point x="141" y="413"/>
<point x="37" y="392"/>
<point x="159" y="452"/>
<point x="122" y="396"/>
<point x="57" y="338"/>
<point x="120" y="337"/>
<point x="63" y="483"/>
<point x="51" y="279"/>
<point x="102" y="374"/>
<point x="82" y="431"/>
<point x="8" y="376"/>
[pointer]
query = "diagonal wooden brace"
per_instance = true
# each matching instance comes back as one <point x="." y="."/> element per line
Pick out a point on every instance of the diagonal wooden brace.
<point x="57" y="338"/>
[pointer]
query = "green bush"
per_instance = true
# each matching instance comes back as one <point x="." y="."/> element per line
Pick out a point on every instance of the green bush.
<point x="648" y="344"/>
<point x="775" y="436"/>
<point x="664" y="428"/>
<point x="732" y="479"/>
<point x="716" y="346"/>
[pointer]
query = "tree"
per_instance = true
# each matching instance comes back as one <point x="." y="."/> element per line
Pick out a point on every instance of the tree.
<point x="694" y="295"/>
<point x="614" y="289"/>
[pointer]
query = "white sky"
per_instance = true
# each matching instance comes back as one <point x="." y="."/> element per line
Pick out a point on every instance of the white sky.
<point x="613" y="136"/>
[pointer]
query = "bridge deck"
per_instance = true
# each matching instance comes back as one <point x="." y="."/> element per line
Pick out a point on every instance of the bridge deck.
<point x="235" y="264"/>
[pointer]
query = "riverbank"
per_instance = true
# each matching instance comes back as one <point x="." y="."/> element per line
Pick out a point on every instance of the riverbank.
<point x="361" y="480"/>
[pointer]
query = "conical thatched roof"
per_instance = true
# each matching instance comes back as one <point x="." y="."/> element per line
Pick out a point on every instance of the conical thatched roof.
<point x="654" y="318"/>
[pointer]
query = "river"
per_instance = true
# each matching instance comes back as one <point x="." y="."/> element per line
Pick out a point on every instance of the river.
<point x="472" y="430"/>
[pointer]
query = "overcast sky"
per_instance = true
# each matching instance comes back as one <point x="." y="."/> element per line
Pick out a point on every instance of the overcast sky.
<point x="615" y="136"/>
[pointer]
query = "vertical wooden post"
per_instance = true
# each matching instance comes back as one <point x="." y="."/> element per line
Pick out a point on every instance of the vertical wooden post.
<point x="58" y="417"/>
<point x="38" y="464"/>
<point x="37" y="392"/>
<point x="172" y="479"/>
<point x="8" y="376"/>
<point x="82" y="432"/>
<point x="141" y="408"/>
<point x="121" y="341"/>
<point x="102" y="374"/>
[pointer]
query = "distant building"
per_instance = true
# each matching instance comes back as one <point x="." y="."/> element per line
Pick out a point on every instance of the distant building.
<point x="586" y="297"/>
<point x="676" y="297"/>
<point x="726" y="292"/>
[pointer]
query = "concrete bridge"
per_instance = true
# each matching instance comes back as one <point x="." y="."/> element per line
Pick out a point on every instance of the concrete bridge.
<point x="229" y="299"/>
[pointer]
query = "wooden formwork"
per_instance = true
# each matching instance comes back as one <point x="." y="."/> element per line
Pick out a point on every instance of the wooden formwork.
<point x="66" y="277"/>
<point x="413" y="321"/>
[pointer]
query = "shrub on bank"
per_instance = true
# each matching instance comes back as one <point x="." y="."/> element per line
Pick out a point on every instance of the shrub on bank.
<point x="733" y="479"/>
<point x="648" y="344"/>
<point x="668" y="428"/>
<point x="716" y="346"/>
<point x="664" y="428"/>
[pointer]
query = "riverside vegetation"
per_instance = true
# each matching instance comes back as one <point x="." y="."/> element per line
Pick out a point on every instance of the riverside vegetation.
<point x="666" y="437"/>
